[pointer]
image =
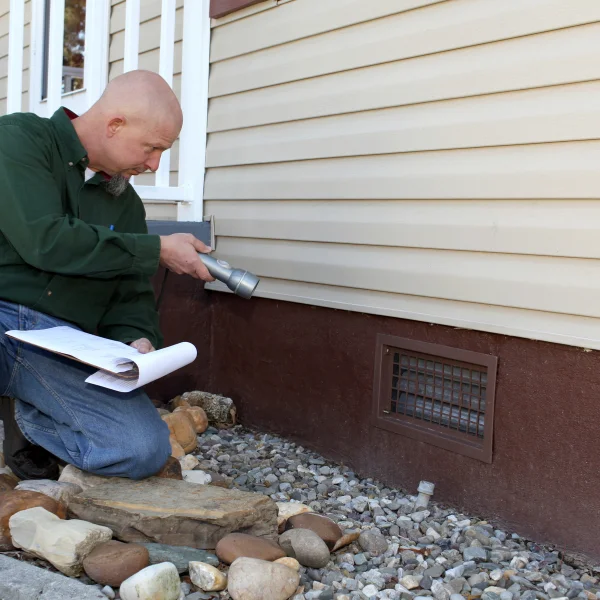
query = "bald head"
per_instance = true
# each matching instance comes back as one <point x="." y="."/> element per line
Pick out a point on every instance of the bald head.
<point x="135" y="120"/>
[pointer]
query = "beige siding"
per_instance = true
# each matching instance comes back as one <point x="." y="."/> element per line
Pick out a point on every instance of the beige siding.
<point x="425" y="159"/>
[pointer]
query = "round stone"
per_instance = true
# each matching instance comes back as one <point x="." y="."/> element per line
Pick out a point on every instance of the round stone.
<point x="325" y="528"/>
<point x="113" y="562"/>
<point x="237" y="545"/>
<point x="306" y="547"/>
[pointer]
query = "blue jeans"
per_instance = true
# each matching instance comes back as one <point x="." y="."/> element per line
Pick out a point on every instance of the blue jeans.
<point x="93" y="428"/>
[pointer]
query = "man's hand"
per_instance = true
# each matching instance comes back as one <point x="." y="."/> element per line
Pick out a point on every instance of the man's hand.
<point x="179" y="253"/>
<point x="143" y="345"/>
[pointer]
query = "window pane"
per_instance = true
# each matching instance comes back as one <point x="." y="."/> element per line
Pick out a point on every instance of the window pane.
<point x="74" y="45"/>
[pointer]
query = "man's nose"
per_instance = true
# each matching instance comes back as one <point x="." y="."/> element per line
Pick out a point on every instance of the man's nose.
<point x="152" y="163"/>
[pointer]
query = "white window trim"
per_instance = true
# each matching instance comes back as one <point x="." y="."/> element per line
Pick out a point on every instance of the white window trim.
<point x="95" y="73"/>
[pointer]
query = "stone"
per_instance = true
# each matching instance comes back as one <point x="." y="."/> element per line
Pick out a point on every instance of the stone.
<point x="221" y="411"/>
<point x="196" y="415"/>
<point x="174" y="512"/>
<point x="437" y="571"/>
<point x="156" y="582"/>
<point x="474" y="553"/>
<point x="113" y="562"/>
<point x="60" y="491"/>
<point x="199" y="477"/>
<point x="62" y="543"/>
<point x="285" y="510"/>
<point x="325" y="528"/>
<point x="373" y="542"/>
<point x="492" y="593"/>
<point x="177" y="450"/>
<point x="108" y="592"/>
<point x="306" y="547"/>
<point x="254" y="579"/>
<point x="180" y="556"/>
<point x="236" y="545"/>
<point x="369" y="591"/>
<point x="439" y="591"/>
<point x="20" y="580"/>
<point x="171" y="469"/>
<point x="177" y="402"/>
<point x="410" y="582"/>
<point x="181" y="427"/>
<point x="188" y="462"/>
<point x="7" y="482"/>
<point x="290" y="562"/>
<point x="346" y="540"/>
<point x="206" y="577"/>
<point x="15" y="501"/>
<point x="85" y="481"/>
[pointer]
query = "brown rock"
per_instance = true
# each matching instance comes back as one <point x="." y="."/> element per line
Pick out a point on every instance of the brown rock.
<point x="176" y="449"/>
<point x="17" y="500"/>
<point x="325" y="528"/>
<point x="197" y="415"/>
<point x="113" y="562"/>
<point x="174" y="512"/>
<point x="177" y="402"/>
<point x="220" y="480"/>
<point x="171" y="470"/>
<point x="7" y="483"/>
<point x="346" y="540"/>
<point x="235" y="545"/>
<point x="181" y="427"/>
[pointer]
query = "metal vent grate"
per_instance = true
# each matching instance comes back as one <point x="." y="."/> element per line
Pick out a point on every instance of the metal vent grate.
<point x="437" y="394"/>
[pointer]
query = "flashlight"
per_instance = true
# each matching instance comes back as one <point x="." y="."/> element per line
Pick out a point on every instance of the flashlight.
<point x="242" y="283"/>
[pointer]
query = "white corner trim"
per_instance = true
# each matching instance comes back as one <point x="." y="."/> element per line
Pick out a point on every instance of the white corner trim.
<point x="194" y="102"/>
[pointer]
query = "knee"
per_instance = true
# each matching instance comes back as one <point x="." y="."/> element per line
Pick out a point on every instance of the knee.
<point x="147" y="452"/>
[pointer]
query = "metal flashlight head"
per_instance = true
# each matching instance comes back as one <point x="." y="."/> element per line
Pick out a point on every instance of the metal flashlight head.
<point x="242" y="283"/>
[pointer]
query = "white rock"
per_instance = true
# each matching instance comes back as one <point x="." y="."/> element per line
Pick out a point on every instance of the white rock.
<point x="254" y="579"/>
<point x="188" y="462"/>
<point x="432" y="533"/>
<point x="200" y="477"/>
<point x="108" y="592"/>
<point x="290" y="562"/>
<point x="496" y="575"/>
<point x="369" y="590"/>
<point x="207" y="577"/>
<point x="290" y="509"/>
<point x="85" y="481"/>
<point x="410" y="582"/>
<point x="419" y="516"/>
<point x="156" y="582"/>
<point x="61" y="491"/>
<point x="63" y="543"/>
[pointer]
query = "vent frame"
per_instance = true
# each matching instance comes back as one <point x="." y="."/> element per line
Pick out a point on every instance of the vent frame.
<point x="421" y="430"/>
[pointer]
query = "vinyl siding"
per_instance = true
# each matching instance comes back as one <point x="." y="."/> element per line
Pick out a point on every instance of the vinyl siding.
<point x="4" y="25"/>
<point x="148" y="59"/>
<point x="434" y="160"/>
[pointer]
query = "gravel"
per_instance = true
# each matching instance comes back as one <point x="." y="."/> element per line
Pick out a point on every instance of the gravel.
<point x="433" y="553"/>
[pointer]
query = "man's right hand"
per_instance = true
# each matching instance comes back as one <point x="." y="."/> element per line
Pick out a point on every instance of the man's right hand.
<point x="179" y="253"/>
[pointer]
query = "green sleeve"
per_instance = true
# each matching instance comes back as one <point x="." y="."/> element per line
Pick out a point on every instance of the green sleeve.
<point x="33" y="219"/>
<point x="132" y="314"/>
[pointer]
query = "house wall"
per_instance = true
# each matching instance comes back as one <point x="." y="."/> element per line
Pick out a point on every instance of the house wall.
<point x="4" y="25"/>
<point x="423" y="159"/>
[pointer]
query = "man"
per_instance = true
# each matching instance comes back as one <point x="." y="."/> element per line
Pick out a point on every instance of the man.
<point x="74" y="250"/>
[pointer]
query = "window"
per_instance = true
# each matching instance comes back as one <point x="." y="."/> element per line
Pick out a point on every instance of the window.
<point x="436" y="394"/>
<point x="73" y="46"/>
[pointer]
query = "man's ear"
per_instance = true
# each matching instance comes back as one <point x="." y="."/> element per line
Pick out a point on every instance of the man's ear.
<point x="114" y="125"/>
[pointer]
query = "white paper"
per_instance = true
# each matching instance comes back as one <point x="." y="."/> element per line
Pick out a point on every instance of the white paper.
<point x="109" y="356"/>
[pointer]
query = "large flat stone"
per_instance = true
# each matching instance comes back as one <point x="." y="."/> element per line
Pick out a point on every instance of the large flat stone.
<point x="175" y="512"/>
<point x="23" y="581"/>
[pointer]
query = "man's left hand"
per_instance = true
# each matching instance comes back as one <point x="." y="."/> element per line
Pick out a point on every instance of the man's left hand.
<point x="143" y="345"/>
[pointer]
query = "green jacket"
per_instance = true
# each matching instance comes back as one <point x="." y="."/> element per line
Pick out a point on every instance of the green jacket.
<point x="58" y="254"/>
